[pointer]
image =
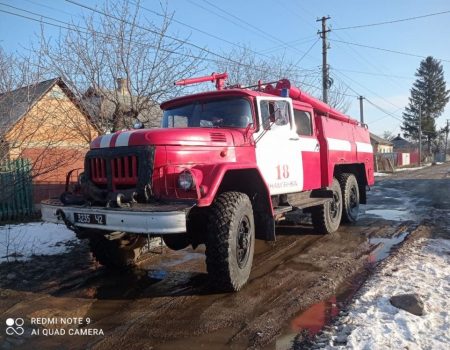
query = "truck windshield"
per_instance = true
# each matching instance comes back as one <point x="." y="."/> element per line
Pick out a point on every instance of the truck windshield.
<point x="230" y="112"/>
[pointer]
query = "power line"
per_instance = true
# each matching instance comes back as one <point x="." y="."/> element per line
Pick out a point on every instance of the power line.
<point x="393" y="21"/>
<point x="374" y="65"/>
<point x="375" y="74"/>
<point x="199" y="30"/>
<point x="366" y="88"/>
<point x="146" y="28"/>
<point x="159" y="33"/>
<point x="297" y="41"/>
<point x="386" y="50"/>
<point x="375" y="105"/>
<point x="383" y="110"/>
<point x="307" y="51"/>
<point x="239" y="22"/>
<point x="72" y="27"/>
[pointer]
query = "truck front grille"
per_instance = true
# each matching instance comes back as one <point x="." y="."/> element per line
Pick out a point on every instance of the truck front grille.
<point x="124" y="171"/>
<point x="121" y="168"/>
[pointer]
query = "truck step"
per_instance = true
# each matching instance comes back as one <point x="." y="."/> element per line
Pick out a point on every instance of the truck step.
<point x="282" y="209"/>
<point x="310" y="202"/>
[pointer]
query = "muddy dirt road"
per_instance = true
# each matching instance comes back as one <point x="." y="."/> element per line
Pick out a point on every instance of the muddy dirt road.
<point x="166" y="302"/>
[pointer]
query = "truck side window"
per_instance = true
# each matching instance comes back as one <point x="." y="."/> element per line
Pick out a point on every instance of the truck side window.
<point x="303" y="122"/>
<point x="277" y="110"/>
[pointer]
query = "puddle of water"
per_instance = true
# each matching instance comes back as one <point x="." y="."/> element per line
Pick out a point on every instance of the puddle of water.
<point x="384" y="246"/>
<point x="317" y="316"/>
<point x="157" y="274"/>
<point x="391" y="214"/>
<point x="311" y="321"/>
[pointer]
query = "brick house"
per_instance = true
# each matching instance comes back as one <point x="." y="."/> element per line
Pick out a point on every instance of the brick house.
<point x="46" y="124"/>
<point x="381" y="145"/>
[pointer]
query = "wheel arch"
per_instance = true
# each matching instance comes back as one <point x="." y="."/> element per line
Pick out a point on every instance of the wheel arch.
<point x="250" y="182"/>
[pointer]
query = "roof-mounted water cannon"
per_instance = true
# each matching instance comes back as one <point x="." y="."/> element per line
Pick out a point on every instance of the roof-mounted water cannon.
<point x="219" y="78"/>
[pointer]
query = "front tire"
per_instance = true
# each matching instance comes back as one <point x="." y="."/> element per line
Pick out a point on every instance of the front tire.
<point x="326" y="218"/>
<point x="231" y="240"/>
<point x="350" y="194"/>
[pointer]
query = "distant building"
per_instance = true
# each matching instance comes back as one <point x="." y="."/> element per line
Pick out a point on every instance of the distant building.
<point x="380" y="145"/>
<point x="402" y="145"/>
<point x="46" y="124"/>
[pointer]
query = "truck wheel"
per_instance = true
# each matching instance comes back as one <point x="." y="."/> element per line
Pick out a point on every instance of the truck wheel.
<point x="117" y="253"/>
<point x="350" y="194"/>
<point x="327" y="217"/>
<point x="231" y="240"/>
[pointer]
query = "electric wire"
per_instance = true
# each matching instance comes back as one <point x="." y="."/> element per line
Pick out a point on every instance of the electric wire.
<point x="393" y="21"/>
<point x="386" y="50"/>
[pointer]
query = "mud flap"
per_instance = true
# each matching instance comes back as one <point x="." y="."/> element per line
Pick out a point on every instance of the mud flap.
<point x="264" y="226"/>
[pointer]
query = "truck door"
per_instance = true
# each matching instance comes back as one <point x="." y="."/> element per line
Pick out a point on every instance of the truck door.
<point x="310" y="147"/>
<point x="278" y="151"/>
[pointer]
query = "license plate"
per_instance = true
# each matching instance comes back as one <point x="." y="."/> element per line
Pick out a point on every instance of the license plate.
<point x="97" y="219"/>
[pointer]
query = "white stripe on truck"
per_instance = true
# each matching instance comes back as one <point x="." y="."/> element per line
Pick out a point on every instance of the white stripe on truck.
<point x="123" y="139"/>
<point x="106" y="140"/>
<point x="338" y="145"/>
<point x="364" y="147"/>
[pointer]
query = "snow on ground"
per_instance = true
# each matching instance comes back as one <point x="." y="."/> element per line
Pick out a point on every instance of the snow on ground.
<point x="411" y="169"/>
<point x="422" y="268"/>
<point x="19" y="242"/>
<point x="382" y="174"/>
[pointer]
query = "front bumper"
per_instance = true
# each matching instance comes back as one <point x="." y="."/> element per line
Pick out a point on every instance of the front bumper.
<point x="144" y="219"/>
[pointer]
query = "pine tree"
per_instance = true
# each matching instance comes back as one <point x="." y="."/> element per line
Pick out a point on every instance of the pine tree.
<point x="428" y="93"/>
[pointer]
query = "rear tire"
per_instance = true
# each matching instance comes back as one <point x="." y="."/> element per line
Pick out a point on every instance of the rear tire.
<point x="350" y="194"/>
<point x="118" y="253"/>
<point x="231" y="240"/>
<point x="327" y="217"/>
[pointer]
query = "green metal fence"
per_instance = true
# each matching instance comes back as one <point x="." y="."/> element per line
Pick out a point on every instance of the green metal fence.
<point x="16" y="190"/>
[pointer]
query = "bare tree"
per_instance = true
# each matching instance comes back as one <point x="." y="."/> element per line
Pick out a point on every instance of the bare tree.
<point x="338" y="97"/>
<point x="17" y="71"/>
<point x="122" y="64"/>
<point x="245" y="67"/>
<point x="388" y="135"/>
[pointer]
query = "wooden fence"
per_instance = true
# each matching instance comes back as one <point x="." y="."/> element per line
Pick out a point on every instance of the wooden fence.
<point x="16" y="190"/>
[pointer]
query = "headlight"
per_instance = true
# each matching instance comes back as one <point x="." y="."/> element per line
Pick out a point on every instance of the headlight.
<point x="185" y="180"/>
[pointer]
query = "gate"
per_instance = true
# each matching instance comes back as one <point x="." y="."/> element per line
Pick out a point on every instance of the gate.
<point x="16" y="199"/>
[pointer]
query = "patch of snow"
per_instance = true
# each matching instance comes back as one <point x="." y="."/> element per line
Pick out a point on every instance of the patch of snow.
<point x="423" y="268"/>
<point x="382" y="174"/>
<point x="20" y="242"/>
<point x="415" y="168"/>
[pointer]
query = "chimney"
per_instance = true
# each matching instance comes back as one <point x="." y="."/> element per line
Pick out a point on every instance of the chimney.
<point x="122" y="86"/>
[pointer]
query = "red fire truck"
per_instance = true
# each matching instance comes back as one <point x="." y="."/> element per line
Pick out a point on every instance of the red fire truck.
<point x="224" y="167"/>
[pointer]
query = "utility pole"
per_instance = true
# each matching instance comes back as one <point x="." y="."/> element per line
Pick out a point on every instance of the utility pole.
<point x="325" y="47"/>
<point x="420" y="135"/>
<point x="446" y="140"/>
<point x="361" y="109"/>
